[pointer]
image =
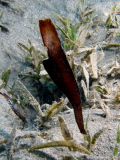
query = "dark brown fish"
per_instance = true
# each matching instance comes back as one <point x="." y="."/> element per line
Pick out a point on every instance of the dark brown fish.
<point x="59" y="69"/>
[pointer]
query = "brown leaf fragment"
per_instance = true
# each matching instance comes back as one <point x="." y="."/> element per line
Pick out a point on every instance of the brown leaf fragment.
<point x="59" y="69"/>
<point x="64" y="129"/>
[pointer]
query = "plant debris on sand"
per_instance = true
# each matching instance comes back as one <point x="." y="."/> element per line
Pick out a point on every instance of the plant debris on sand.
<point x="36" y="118"/>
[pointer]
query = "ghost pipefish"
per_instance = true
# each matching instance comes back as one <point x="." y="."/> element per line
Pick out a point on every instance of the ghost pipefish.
<point x="59" y="69"/>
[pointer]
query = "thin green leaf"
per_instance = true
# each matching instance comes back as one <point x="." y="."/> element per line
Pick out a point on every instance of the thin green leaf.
<point x="69" y="144"/>
<point x="54" y="109"/>
<point x="101" y="90"/>
<point x="1" y="15"/>
<point x="24" y="47"/>
<point x="116" y="151"/>
<point x="118" y="135"/>
<point x="96" y="136"/>
<point x="64" y="129"/>
<point x="6" y="76"/>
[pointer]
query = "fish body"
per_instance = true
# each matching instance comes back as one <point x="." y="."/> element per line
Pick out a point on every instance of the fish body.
<point x="59" y="69"/>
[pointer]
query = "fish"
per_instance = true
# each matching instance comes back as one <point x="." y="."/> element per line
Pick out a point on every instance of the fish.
<point x="59" y="69"/>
